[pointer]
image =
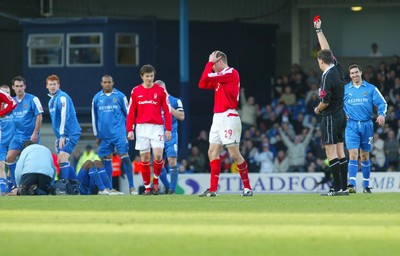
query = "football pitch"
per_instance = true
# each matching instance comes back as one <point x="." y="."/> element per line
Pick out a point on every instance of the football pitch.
<point x="360" y="224"/>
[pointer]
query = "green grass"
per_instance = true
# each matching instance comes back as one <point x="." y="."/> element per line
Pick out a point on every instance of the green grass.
<point x="188" y="225"/>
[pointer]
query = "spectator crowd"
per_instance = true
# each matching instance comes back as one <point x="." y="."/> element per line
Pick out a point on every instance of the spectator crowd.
<point x="284" y="134"/>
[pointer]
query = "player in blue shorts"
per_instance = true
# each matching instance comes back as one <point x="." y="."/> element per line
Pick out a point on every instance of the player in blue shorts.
<point x="93" y="179"/>
<point x="27" y="118"/>
<point x="65" y="125"/>
<point x="109" y="111"/>
<point x="6" y="134"/>
<point x="360" y="98"/>
<point x="171" y="147"/>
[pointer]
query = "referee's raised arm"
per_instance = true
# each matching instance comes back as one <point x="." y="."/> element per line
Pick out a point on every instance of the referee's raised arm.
<point x="321" y="37"/>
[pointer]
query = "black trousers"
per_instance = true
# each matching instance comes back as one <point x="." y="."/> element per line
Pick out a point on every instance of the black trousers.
<point x="43" y="183"/>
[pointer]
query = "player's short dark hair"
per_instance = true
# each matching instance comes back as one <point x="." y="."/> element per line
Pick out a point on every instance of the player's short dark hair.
<point x="147" y="69"/>
<point x="355" y="66"/>
<point x="223" y="56"/>
<point x="326" y="56"/>
<point x="18" y="78"/>
<point x="27" y="143"/>
<point x="107" y="76"/>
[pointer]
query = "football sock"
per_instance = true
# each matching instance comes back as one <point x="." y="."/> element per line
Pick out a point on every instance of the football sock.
<point x="11" y="169"/>
<point x="353" y="168"/>
<point x="10" y="184"/>
<point x="94" y="175"/>
<point x="215" y="166"/>
<point x="64" y="170"/>
<point x="244" y="174"/>
<point x="174" y="176"/>
<point x="366" y="171"/>
<point x="72" y="173"/>
<point x="3" y="185"/>
<point x="343" y="172"/>
<point x="158" y="165"/>
<point x="84" y="182"/>
<point x="164" y="178"/>
<point x="334" y="165"/>
<point x="107" y="163"/>
<point x="104" y="178"/>
<point x="127" y="166"/>
<point x="145" y="170"/>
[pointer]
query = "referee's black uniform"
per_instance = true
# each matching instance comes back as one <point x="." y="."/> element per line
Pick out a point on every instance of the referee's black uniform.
<point x="331" y="91"/>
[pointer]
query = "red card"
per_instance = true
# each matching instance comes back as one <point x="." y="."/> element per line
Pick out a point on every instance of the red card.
<point x="316" y="18"/>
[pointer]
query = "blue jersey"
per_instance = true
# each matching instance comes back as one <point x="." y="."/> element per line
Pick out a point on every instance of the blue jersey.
<point x="359" y="102"/>
<point x="176" y="104"/>
<point x="24" y="115"/>
<point x="6" y="130"/>
<point x="109" y="112"/>
<point x="171" y="146"/>
<point x="63" y="115"/>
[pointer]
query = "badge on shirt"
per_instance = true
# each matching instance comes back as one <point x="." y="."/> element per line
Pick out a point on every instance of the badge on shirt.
<point x="322" y="93"/>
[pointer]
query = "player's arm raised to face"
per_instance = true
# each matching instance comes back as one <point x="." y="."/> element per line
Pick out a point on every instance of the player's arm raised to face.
<point x="11" y="103"/>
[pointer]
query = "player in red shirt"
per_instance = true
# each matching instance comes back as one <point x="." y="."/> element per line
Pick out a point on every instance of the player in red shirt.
<point x="226" y="127"/>
<point x="7" y="103"/>
<point x="144" y="116"/>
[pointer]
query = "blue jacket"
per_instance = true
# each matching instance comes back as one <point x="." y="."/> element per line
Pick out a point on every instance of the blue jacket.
<point x="28" y="162"/>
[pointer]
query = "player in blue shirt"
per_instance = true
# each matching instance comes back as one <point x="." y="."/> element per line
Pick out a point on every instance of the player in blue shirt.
<point x="65" y="125"/>
<point x="171" y="146"/>
<point x="27" y="118"/>
<point x="360" y="98"/>
<point x="6" y="134"/>
<point x="109" y="110"/>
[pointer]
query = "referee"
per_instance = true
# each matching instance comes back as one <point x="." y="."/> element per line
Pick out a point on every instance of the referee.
<point x="330" y="107"/>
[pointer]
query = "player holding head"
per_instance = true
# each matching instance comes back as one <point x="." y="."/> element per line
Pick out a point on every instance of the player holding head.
<point x="109" y="111"/>
<point x="171" y="147"/>
<point x="65" y="125"/>
<point x="226" y="127"/>
<point x="27" y="118"/>
<point x="7" y="104"/>
<point x="360" y="98"/>
<point x="145" y="105"/>
<point x="333" y="121"/>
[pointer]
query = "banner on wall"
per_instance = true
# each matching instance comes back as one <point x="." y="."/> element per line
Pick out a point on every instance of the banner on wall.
<point x="287" y="183"/>
<point x="274" y="183"/>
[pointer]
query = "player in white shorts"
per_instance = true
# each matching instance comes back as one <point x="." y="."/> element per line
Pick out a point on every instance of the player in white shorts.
<point x="226" y="128"/>
<point x="145" y="106"/>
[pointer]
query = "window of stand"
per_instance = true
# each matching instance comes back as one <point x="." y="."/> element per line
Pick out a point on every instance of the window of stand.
<point x="45" y="50"/>
<point x="127" y="49"/>
<point x="84" y="49"/>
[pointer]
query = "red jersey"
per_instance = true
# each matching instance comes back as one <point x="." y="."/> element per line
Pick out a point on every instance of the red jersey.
<point x="145" y="107"/>
<point x="226" y="86"/>
<point x="5" y="98"/>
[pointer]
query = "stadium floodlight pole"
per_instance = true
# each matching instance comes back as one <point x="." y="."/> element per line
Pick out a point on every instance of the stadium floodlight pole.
<point x="184" y="76"/>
